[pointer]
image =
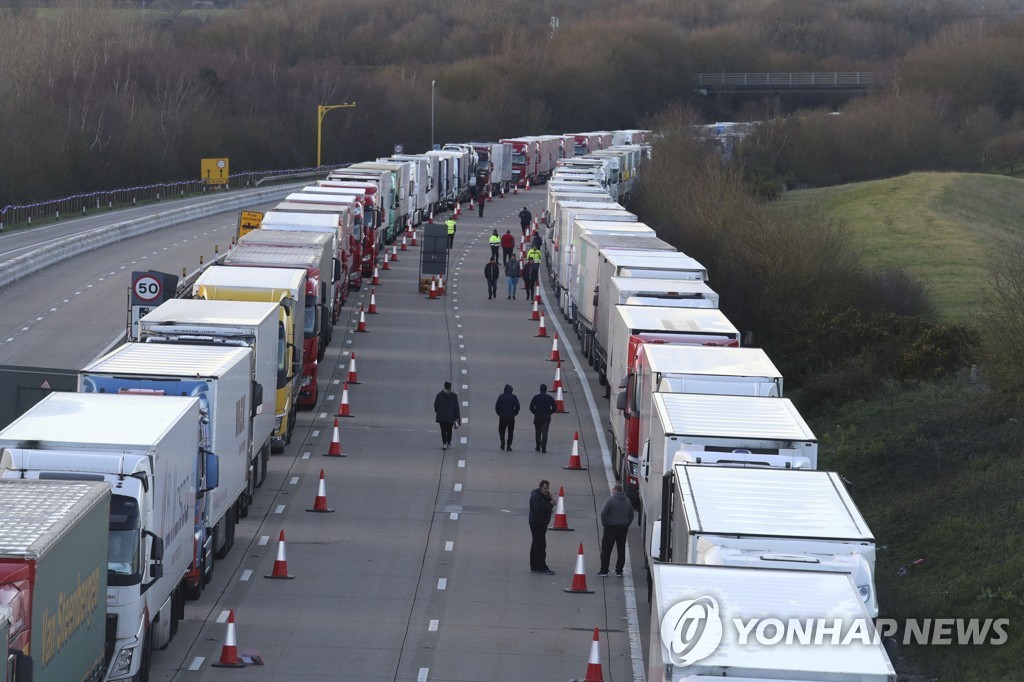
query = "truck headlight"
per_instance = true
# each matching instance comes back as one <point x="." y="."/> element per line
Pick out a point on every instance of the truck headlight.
<point x="277" y="422"/>
<point x="865" y="592"/>
<point x="122" y="664"/>
<point x="306" y="381"/>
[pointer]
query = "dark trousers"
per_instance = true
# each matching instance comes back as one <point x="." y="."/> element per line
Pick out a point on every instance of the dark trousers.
<point x="446" y="432"/>
<point x="492" y="288"/>
<point x="540" y="425"/>
<point x="506" y="253"/>
<point x="509" y="424"/>
<point x="451" y="240"/>
<point x="539" y="547"/>
<point x="494" y="250"/>
<point x="613" y="535"/>
<point x="481" y="206"/>
<point x="530" y="286"/>
<point x="524" y="226"/>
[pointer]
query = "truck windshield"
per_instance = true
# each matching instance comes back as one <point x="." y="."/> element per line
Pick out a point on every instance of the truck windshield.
<point x="581" y="149"/>
<point x="519" y="158"/>
<point x="123" y="561"/>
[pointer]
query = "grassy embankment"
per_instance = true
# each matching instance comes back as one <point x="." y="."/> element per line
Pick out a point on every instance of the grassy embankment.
<point x="937" y="477"/>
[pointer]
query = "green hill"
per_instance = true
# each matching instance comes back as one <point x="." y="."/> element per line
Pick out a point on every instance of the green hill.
<point x="948" y="229"/>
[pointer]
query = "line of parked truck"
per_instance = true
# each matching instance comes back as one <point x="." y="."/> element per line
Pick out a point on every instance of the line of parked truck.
<point x="723" y="468"/>
<point x="149" y="466"/>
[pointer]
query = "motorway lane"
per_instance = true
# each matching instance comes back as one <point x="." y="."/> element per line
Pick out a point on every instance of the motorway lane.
<point x="422" y="572"/>
<point x="65" y="315"/>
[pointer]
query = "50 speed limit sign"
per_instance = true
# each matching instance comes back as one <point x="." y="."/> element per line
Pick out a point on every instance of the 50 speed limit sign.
<point x="147" y="288"/>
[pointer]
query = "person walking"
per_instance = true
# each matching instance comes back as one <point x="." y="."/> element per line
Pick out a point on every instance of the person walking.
<point x="524" y="219"/>
<point x="541" y="506"/>
<point x="529" y="279"/>
<point x="495" y="241"/>
<point x="480" y="205"/>
<point x="508" y="243"/>
<point x="542" y="406"/>
<point x="534" y="254"/>
<point x="616" y="517"/>
<point x="506" y="407"/>
<point x="450" y="224"/>
<point x="446" y="413"/>
<point x="537" y="241"/>
<point x="512" y="273"/>
<point x="491" y="272"/>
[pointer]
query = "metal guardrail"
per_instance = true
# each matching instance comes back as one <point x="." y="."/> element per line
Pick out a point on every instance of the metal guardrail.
<point x="108" y="200"/>
<point x="853" y="80"/>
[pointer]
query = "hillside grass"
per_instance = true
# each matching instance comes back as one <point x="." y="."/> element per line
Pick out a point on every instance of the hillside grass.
<point x="948" y="229"/>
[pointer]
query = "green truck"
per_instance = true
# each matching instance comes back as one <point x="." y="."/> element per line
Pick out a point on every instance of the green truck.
<point x="53" y="578"/>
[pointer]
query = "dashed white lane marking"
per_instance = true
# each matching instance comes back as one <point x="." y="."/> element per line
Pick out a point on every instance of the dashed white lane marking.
<point x="279" y="509"/>
<point x="323" y="415"/>
<point x="196" y="663"/>
<point x="422" y="677"/>
<point x="442" y="583"/>
<point x="454" y="516"/>
<point x="462" y="463"/>
<point x="465" y="403"/>
<point x="315" y="434"/>
<point x="458" y="487"/>
<point x="465" y="371"/>
<point x="433" y="626"/>
<point x="246" y="574"/>
<point x="464" y="440"/>
<point x="336" y="382"/>
<point x="330" y="396"/>
<point x="264" y="539"/>
<point x="449" y="546"/>
<point x="462" y="357"/>
<point x="295" y="479"/>
<point x="465" y="386"/>
<point x="305" y="455"/>
<point x="223" y="616"/>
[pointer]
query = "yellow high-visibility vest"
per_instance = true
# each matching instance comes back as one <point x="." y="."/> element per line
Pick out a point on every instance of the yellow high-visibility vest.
<point x="451" y="226"/>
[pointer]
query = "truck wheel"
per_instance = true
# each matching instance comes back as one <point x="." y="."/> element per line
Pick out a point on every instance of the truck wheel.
<point x="193" y="592"/>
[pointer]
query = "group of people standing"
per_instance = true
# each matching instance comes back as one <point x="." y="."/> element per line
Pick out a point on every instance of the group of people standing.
<point x="617" y="512"/>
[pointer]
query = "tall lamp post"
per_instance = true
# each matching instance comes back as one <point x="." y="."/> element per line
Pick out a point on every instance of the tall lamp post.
<point x="321" y="111"/>
<point x="432" y="114"/>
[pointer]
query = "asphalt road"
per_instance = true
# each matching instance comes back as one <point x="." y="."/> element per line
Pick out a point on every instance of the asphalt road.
<point x="422" y="572"/>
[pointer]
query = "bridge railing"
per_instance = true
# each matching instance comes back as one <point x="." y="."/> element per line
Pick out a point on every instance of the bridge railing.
<point x="823" y="80"/>
<point x="107" y="200"/>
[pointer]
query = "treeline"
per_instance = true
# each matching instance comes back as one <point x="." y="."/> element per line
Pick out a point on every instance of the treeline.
<point x="98" y="96"/>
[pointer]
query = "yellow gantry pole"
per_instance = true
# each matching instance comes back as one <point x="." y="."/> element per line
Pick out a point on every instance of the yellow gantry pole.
<point x="321" y="111"/>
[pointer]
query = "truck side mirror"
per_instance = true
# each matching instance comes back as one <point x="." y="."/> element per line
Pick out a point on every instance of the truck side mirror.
<point x="620" y="401"/>
<point x="257" y="398"/>
<point x="212" y="471"/>
<point x="337" y="270"/>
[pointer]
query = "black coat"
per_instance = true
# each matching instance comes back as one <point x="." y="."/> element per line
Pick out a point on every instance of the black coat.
<point x="491" y="271"/>
<point x="507" y="404"/>
<point x="446" y="407"/>
<point x="543" y="405"/>
<point x="541" y="507"/>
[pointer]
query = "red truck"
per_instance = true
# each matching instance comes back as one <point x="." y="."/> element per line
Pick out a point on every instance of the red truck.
<point x="368" y="232"/>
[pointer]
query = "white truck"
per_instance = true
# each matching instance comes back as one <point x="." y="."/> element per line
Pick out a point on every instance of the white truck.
<point x="720" y="603"/>
<point x="634" y="326"/>
<point x="230" y="324"/>
<point x="222" y="381"/>
<point x="724" y="430"/>
<point x="344" y="231"/>
<point x="386" y="192"/>
<point x="147" y="448"/>
<point x="672" y="368"/>
<point x="401" y="178"/>
<point x="421" y="196"/>
<point x="561" y="236"/>
<point x="764" y="518"/>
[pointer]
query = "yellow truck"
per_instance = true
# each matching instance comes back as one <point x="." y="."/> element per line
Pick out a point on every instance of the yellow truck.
<point x="287" y="288"/>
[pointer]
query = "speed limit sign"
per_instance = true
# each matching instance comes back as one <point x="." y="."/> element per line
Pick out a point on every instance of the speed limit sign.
<point x="147" y="288"/>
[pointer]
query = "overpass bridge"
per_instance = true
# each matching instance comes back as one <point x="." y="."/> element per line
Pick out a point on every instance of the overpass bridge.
<point x="852" y="81"/>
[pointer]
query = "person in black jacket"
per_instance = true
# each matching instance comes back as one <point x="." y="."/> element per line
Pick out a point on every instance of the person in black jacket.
<point x="616" y="517"/>
<point x="491" y="272"/>
<point x="542" y="406"/>
<point x="524" y="219"/>
<point x="446" y="413"/>
<point x="541" y="506"/>
<point x="507" y="407"/>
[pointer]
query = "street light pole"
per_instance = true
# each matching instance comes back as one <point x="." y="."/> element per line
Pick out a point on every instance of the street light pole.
<point x="432" y="114"/>
<point x="321" y="111"/>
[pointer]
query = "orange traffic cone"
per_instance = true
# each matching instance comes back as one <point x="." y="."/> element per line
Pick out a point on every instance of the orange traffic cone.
<point x="361" y="327"/>
<point x="561" y="523"/>
<point x="404" y="247"/>
<point x="542" y="330"/>
<point x="353" y="377"/>
<point x="408" y="227"/>
<point x="394" y="252"/>
<point x="536" y="311"/>
<point x="527" y="184"/>
<point x="558" y="376"/>
<point x="372" y="310"/>
<point x="560" y="403"/>
<point x="376" y="276"/>
<point x="471" y="203"/>
<point x="579" y="578"/>
<point x="594" y="672"/>
<point x="335" y="449"/>
<point x="433" y="288"/>
<point x="490" y="194"/>
<point x="343" y="408"/>
<point x="229" y="652"/>
<point x="574" y="456"/>
<point x="555" y="357"/>
<point x="502" y="192"/>
<point x="414" y="242"/>
<point x="281" y="562"/>
<point x="384" y="265"/>
<point x="536" y="297"/>
<point x="515" y="189"/>
<point x="320" y="503"/>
